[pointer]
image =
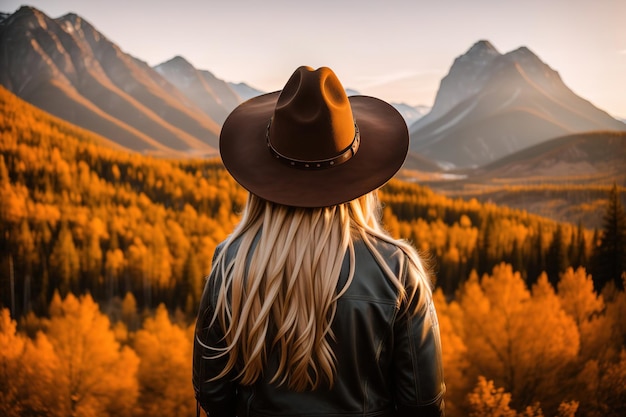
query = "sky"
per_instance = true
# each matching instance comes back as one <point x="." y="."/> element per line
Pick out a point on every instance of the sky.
<point x="397" y="50"/>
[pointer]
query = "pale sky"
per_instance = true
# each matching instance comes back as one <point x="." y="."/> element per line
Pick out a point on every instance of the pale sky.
<point x="397" y="50"/>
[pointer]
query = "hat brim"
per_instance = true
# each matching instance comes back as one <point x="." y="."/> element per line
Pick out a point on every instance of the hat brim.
<point x="383" y="149"/>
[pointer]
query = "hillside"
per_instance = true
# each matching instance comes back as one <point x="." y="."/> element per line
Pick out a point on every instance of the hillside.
<point x="215" y="97"/>
<point x="597" y="157"/>
<point x="21" y="121"/>
<point x="68" y="68"/>
<point x="566" y="178"/>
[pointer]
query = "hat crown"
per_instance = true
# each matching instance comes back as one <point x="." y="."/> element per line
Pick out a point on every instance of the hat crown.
<point x="312" y="119"/>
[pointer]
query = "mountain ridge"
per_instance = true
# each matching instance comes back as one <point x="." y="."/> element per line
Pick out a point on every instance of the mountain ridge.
<point x="77" y="74"/>
<point x="491" y="104"/>
<point x="599" y="151"/>
<point x="215" y="97"/>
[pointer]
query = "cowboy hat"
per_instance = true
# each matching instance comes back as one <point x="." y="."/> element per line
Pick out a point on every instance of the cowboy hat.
<point x="309" y="145"/>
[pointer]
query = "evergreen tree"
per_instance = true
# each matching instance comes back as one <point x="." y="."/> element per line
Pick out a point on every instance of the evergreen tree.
<point x="537" y="257"/>
<point x="577" y="250"/>
<point x="610" y="254"/>
<point x="583" y="257"/>
<point x="557" y="256"/>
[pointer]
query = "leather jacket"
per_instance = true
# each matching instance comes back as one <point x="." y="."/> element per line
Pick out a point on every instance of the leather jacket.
<point x="388" y="361"/>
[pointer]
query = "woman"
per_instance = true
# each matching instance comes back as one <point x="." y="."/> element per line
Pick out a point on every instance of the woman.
<point x="311" y="309"/>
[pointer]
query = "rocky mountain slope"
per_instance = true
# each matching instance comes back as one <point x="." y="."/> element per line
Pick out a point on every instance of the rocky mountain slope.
<point x="68" y="68"/>
<point x="491" y="105"/>
<point x="214" y="96"/>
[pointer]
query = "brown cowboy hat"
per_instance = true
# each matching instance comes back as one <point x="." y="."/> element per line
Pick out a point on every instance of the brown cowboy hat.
<point x="310" y="145"/>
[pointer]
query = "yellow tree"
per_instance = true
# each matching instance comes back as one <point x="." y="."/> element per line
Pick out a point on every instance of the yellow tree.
<point x="97" y="376"/>
<point x="520" y="342"/>
<point x="453" y="352"/>
<point x="91" y="263"/>
<point x="546" y="364"/>
<point x="161" y="257"/>
<point x="603" y="379"/>
<point x="64" y="261"/>
<point x="113" y="267"/>
<point x="179" y="244"/>
<point x="165" y="369"/>
<point x="486" y="400"/>
<point x="27" y="373"/>
<point x="604" y="385"/>
<point x="13" y="197"/>
<point x="613" y="384"/>
<point x="577" y="295"/>
<point x="129" y="312"/>
<point x="580" y="301"/>
<point x="11" y="349"/>
<point x="615" y="312"/>
<point x="138" y="261"/>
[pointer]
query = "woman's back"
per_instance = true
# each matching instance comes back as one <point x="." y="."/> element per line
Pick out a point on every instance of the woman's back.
<point x="374" y="344"/>
<point x="311" y="308"/>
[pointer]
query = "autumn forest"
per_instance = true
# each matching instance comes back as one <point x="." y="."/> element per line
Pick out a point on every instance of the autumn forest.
<point x="103" y="255"/>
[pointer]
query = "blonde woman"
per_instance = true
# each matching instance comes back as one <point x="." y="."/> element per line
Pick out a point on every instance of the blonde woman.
<point x="311" y="309"/>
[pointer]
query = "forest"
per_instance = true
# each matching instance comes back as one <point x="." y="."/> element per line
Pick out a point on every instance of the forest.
<point x="103" y="255"/>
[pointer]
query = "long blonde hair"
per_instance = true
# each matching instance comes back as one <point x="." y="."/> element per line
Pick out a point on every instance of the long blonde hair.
<point x="280" y="289"/>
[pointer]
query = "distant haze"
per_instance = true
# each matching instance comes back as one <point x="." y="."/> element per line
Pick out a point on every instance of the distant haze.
<point x="397" y="50"/>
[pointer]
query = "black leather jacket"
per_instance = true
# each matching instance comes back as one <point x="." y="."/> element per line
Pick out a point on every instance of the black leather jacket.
<point x="388" y="363"/>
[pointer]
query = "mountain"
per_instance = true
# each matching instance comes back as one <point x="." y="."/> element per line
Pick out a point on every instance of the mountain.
<point x="244" y="91"/>
<point x="214" y="96"/>
<point x="490" y="105"/>
<point x="411" y="114"/>
<point x="68" y="68"/>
